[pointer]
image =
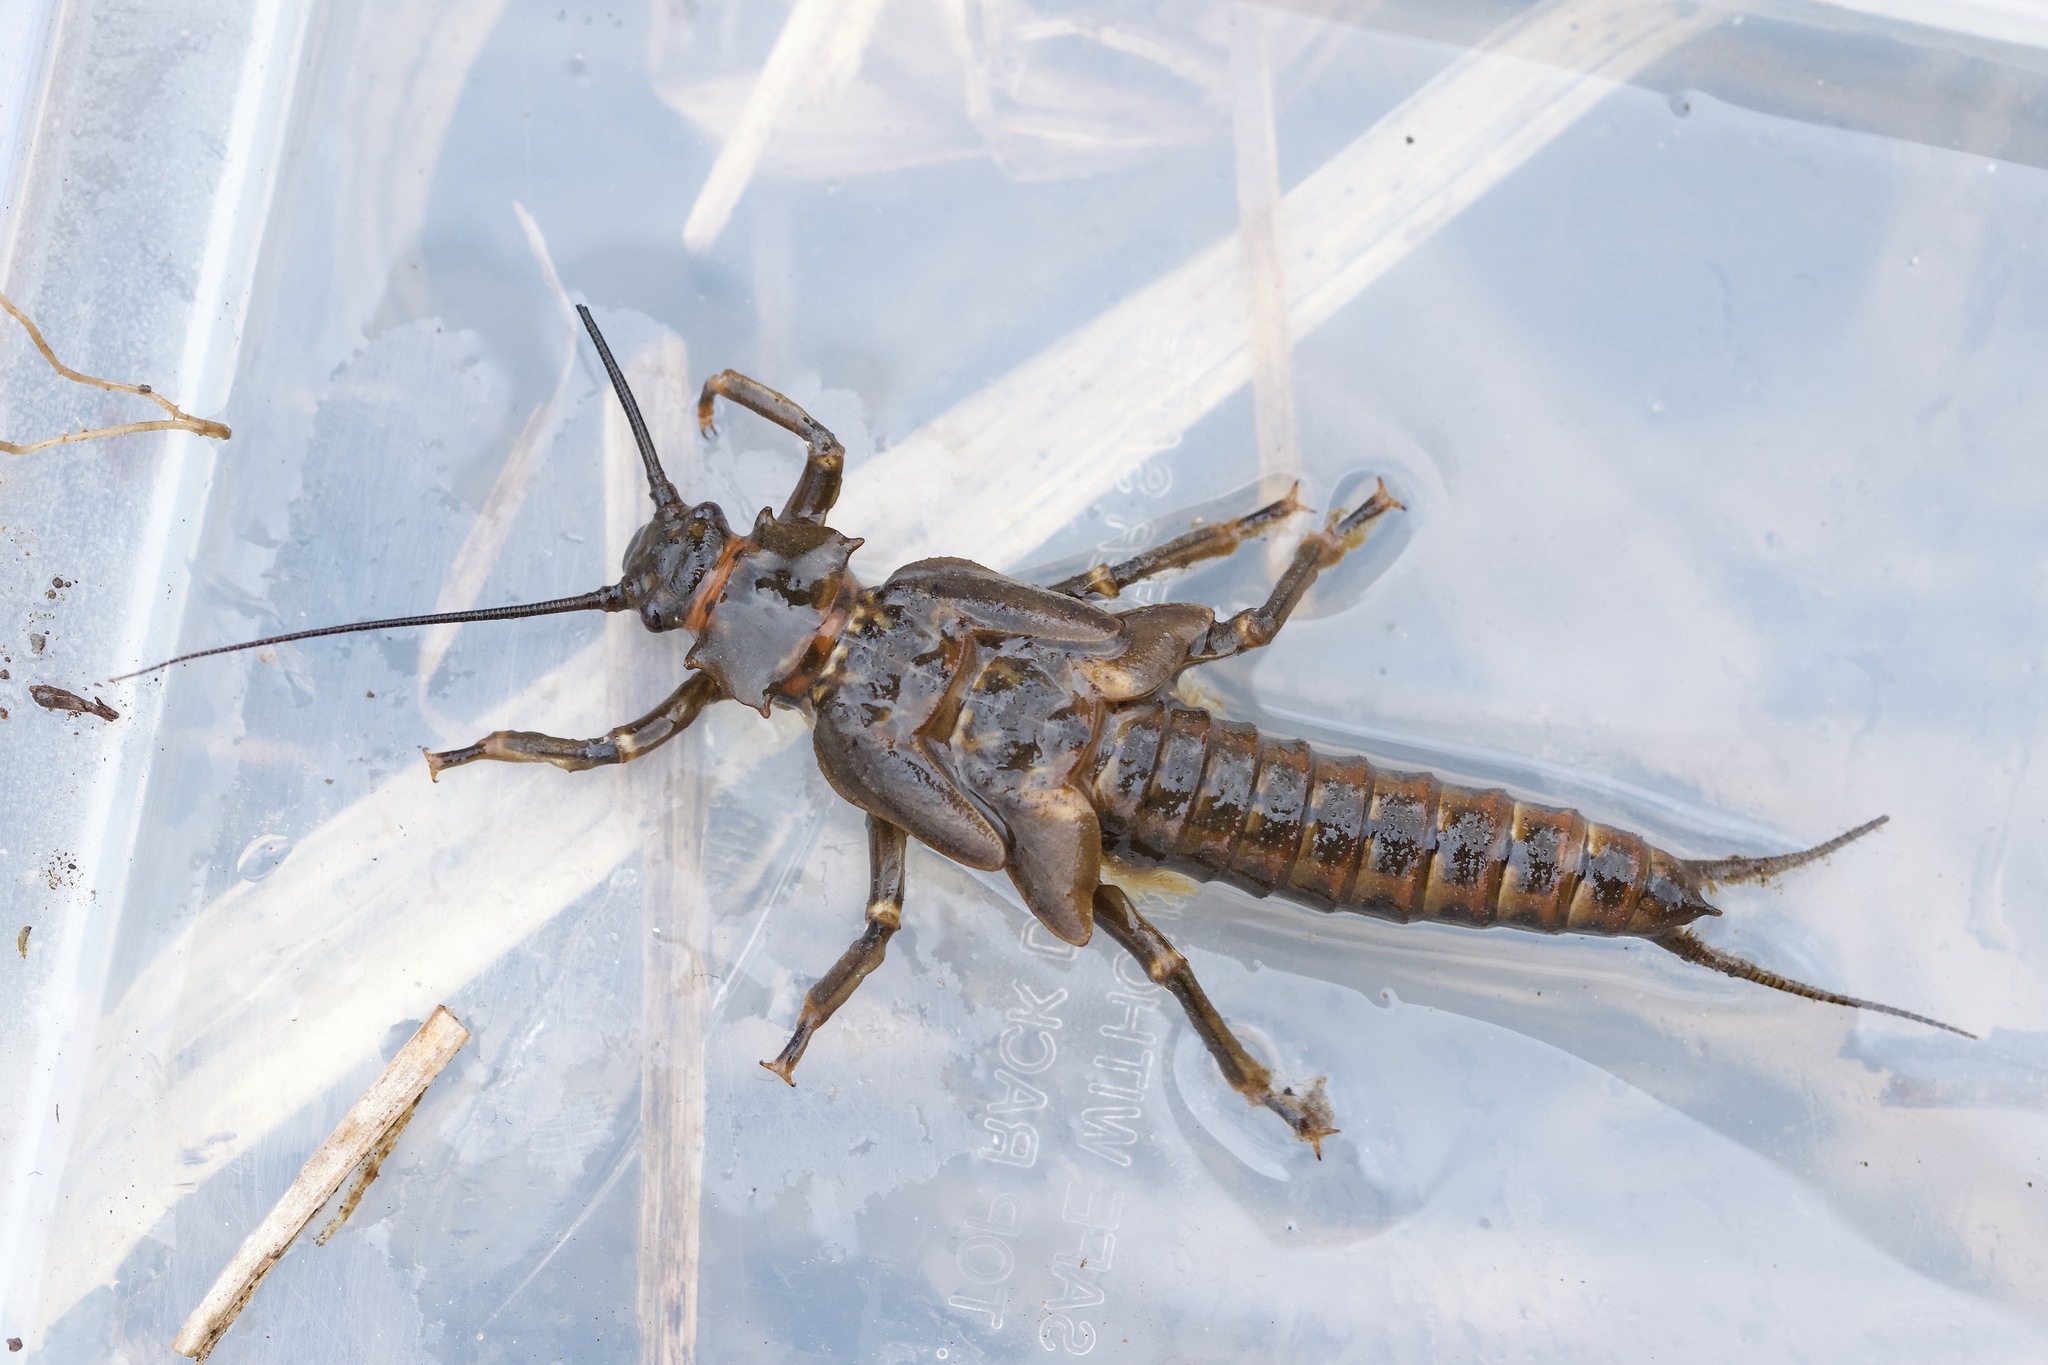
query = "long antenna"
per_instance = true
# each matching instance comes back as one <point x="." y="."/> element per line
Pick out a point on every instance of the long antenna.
<point x="665" y="495"/>
<point x="611" y="598"/>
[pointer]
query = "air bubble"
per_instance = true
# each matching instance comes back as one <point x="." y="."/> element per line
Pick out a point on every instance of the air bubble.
<point x="262" y="856"/>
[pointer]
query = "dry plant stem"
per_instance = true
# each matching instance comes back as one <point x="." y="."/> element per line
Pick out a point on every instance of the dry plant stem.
<point x="485" y="541"/>
<point x="672" y="1074"/>
<point x="179" y="419"/>
<point x="1268" y="340"/>
<point x="670" y="802"/>
<point x="367" y="1172"/>
<point x="358" y="1137"/>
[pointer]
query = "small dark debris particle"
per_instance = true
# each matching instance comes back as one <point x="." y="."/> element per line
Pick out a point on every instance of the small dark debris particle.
<point x="370" y="694"/>
<point x="57" y="699"/>
<point x="144" y="387"/>
<point x="37" y="642"/>
<point x="21" y="939"/>
<point x="1411" y="139"/>
<point x="14" y="1343"/>
<point x="5" y="675"/>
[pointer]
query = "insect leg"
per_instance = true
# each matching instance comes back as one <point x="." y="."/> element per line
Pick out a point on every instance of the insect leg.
<point x="621" y="745"/>
<point x="1257" y="626"/>
<point x="1204" y="542"/>
<point x="885" y="917"/>
<point x="1307" y="1114"/>
<point x="818" y="489"/>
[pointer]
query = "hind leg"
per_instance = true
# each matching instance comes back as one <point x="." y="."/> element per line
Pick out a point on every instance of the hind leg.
<point x="1307" y="1114"/>
<point x="1256" y="627"/>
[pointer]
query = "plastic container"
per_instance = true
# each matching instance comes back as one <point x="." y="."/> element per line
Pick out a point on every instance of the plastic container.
<point x="1703" y="344"/>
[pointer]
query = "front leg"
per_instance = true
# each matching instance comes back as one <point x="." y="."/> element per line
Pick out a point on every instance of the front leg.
<point x="825" y="458"/>
<point x="885" y="917"/>
<point x="1307" y="1114"/>
<point x="621" y="745"/>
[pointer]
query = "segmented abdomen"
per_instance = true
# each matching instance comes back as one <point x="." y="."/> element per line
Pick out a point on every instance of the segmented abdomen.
<point x="1217" y="801"/>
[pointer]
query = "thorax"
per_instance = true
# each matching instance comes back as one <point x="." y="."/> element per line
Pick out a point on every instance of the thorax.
<point x="770" y="615"/>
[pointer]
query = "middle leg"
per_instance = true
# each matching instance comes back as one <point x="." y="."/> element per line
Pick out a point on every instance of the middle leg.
<point x="885" y="917"/>
<point x="1213" y="541"/>
<point x="1307" y="1114"/>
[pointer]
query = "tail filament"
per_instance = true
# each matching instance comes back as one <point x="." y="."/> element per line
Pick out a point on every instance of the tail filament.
<point x="1684" y="944"/>
<point x="1734" y="871"/>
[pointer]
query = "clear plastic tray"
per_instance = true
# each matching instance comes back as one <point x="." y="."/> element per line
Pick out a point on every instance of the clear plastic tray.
<point x="1703" y="344"/>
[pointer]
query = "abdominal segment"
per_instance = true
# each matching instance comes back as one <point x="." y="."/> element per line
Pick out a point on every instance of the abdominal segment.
<point x="1216" y="800"/>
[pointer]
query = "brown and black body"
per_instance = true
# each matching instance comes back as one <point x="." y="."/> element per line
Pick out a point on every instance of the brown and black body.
<point x="1034" y="730"/>
<point x="1216" y="800"/>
